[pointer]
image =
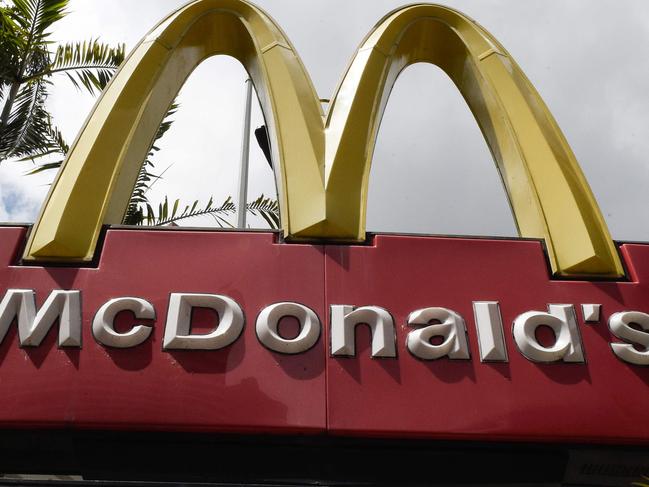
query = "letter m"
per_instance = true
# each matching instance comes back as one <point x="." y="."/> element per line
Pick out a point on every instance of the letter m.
<point x="33" y="325"/>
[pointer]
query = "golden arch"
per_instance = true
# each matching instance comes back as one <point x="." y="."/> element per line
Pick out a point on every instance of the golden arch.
<point x="324" y="164"/>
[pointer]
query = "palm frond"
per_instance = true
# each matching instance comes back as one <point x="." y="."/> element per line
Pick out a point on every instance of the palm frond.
<point x="45" y="167"/>
<point x="146" y="179"/>
<point x="169" y="215"/>
<point x="22" y="13"/>
<point x="57" y="140"/>
<point x="56" y="144"/>
<point x="89" y="64"/>
<point x="37" y="16"/>
<point x="167" y="121"/>
<point x="28" y="126"/>
<point x="267" y="208"/>
<point x="26" y="64"/>
<point x="9" y="49"/>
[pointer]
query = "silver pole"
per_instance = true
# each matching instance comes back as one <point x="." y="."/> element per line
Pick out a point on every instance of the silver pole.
<point x="245" y="159"/>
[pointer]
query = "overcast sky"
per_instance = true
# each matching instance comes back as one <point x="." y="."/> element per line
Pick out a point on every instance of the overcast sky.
<point x="432" y="171"/>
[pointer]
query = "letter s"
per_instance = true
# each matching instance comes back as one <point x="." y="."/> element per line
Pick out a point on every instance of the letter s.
<point x="619" y="323"/>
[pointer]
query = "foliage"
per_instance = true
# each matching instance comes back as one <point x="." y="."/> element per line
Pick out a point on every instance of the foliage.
<point x="89" y="64"/>
<point x="146" y="179"/>
<point x="166" y="217"/>
<point x="140" y="211"/>
<point x="26" y="68"/>
<point x="267" y="208"/>
<point x="27" y="131"/>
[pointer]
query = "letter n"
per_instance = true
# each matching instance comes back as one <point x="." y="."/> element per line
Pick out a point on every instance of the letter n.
<point x="344" y="320"/>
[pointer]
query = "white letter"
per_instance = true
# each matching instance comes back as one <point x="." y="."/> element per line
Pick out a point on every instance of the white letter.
<point x="32" y="326"/>
<point x="344" y="319"/>
<point x="451" y="327"/>
<point x="562" y="320"/>
<point x="103" y="326"/>
<point x="619" y="326"/>
<point x="268" y="321"/>
<point x="178" y="329"/>
<point x="489" y="325"/>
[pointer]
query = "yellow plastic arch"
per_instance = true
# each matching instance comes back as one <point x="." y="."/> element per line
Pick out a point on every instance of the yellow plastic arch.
<point x="324" y="164"/>
<point x="97" y="178"/>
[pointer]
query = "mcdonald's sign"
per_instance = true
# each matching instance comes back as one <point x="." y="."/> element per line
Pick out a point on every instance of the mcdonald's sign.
<point x="541" y="339"/>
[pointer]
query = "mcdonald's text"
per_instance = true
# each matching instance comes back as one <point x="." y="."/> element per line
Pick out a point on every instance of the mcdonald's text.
<point x="434" y="332"/>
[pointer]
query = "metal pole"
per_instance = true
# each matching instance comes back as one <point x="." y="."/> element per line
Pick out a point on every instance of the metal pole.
<point x="245" y="159"/>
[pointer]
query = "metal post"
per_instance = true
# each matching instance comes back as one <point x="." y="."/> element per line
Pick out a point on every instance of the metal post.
<point x="245" y="159"/>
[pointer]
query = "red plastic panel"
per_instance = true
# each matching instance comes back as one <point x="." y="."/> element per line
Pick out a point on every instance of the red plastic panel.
<point x="603" y="400"/>
<point x="244" y="387"/>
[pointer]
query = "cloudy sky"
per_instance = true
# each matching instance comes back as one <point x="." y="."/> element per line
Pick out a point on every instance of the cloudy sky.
<point x="432" y="171"/>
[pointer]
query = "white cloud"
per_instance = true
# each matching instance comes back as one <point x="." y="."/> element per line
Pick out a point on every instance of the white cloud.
<point x="587" y="59"/>
<point x="20" y="195"/>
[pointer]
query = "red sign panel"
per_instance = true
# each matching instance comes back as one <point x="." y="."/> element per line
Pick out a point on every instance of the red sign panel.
<point x="392" y="340"/>
<point x="242" y="387"/>
<point x="603" y="398"/>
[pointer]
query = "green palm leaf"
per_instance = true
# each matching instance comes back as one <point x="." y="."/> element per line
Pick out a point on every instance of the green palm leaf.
<point x="56" y="145"/>
<point x="9" y="50"/>
<point x="267" y="208"/>
<point x="28" y="127"/>
<point x="90" y="64"/>
<point x="26" y="64"/>
<point x="168" y="214"/>
<point x="27" y="132"/>
<point x="146" y="179"/>
<point x="166" y="217"/>
<point x="37" y="16"/>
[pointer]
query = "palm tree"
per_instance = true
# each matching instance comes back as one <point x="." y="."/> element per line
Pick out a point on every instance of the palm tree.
<point x="27" y="131"/>
<point x="27" y="66"/>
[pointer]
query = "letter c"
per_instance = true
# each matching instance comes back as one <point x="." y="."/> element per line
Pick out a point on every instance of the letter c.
<point x="103" y="326"/>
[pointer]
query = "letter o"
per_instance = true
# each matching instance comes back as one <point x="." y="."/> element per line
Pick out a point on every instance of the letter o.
<point x="268" y="322"/>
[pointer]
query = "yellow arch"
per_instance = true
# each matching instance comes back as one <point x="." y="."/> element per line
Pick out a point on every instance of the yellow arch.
<point x="547" y="190"/>
<point x="324" y="165"/>
<point x="100" y="171"/>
